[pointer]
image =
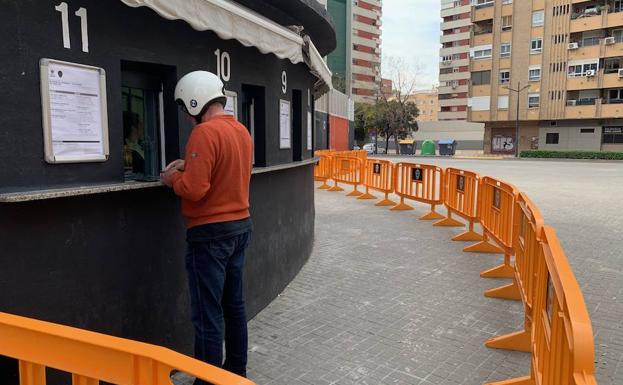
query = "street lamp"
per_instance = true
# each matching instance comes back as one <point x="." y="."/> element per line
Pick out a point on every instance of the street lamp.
<point x="518" y="91"/>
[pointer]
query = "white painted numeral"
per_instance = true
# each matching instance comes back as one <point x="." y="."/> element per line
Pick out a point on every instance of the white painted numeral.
<point x="84" y="26"/>
<point x="62" y="8"/>
<point x="223" y="65"/>
<point x="284" y="82"/>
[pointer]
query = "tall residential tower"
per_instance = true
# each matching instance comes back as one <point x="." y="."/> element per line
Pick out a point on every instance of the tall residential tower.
<point x="454" y="59"/>
<point x="567" y="54"/>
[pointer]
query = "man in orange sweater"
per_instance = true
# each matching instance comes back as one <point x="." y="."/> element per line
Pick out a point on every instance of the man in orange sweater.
<point x="213" y="183"/>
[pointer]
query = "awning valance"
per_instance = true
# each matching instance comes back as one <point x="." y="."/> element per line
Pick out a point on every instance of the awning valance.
<point x="232" y="21"/>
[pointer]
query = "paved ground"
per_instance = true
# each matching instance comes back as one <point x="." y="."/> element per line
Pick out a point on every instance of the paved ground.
<point x="388" y="299"/>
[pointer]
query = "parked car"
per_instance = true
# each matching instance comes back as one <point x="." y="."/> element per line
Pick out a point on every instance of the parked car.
<point x="355" y="147"/>
<point x="370" y="148"/>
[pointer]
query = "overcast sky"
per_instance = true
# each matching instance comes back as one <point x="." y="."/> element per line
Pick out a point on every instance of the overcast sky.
<point x="411" y="32"/>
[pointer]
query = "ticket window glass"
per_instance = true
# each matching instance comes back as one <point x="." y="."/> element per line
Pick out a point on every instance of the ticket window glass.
<point x="297" y="125"/>
<point x="143" y="145"/>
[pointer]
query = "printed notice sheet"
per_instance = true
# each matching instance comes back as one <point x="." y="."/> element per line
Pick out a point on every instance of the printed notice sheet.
<point x="309" y="131"/>
<point x="74" y="113"/>
<point x="284" y="124"/>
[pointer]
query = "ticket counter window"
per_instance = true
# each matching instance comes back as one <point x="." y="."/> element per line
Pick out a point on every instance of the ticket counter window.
<point x="141" y="149"/>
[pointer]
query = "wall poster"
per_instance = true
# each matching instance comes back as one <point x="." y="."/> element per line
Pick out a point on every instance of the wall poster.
<point x="74" y="108"/>
<point x="284" y="124"/>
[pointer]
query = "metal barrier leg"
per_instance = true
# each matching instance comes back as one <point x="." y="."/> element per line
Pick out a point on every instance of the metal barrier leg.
<point x="505" y="270"/>
<point x="431" y="215"/>
<point x="31" y="374"/>
<point x="515" y="381"/>
<point x="367" y="195"/>
<point x="336" y="188"/>
<point x="449" y="222"/>
<point x="402" y="206"/>
<point x="517" y="341"/>
<point x="354" y="193"/>
<point x="510" y="291"/>
<point x="469" y="236"/>
<point x="324" y="185"/>
<point x="484" y="246"/>
<point x="386" y="201"/>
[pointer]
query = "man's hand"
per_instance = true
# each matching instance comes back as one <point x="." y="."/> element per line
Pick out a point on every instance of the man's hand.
<point x="176" y="164"/>
<point x="166" y="177"/>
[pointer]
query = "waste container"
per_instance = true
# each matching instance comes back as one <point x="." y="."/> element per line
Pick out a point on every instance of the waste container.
<point x="428" y="147"/>
<point x="447" y="147"/>
<point x="407" y="147"/>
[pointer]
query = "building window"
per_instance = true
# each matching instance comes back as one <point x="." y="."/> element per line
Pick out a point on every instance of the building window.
<point x="612" y="135"/>
<point x="483" y="53"/>
<point x="581" y="69"/>
<point x="505" y="76"/>
<point x="617" y="6"/>
<point x="478" y="3"/>
<point x="505" y="49"/>
<point x="552" y="138"/>
<point x="618" y="34"/>
<point x="503" y="102"/>
<point x="538" y="18"/>
<point x="611" y="66"/>
<point x="481" y="78"/>
<point x="536" y="45"/>
<point x="535" y="74"/>
<point x="507" y="23"/>
<point x="615" y="96"/>
<point x="507" y="1"/>
<point x="534" y="100"/>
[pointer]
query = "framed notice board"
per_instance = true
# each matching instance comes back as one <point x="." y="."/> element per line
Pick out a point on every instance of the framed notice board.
<point x="74" y="109"/>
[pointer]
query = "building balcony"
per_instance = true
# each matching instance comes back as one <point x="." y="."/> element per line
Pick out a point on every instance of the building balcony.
<point x="482" y="39"/>
<point x="586" y="22"/>
<point x="614" y="19"/>
<point x="481" y="90"/>
<point x="454" y="76"/>
<point x="453" y="50"/>
<point x="455" y="24"/>
<point x="612" y="80"/>
<point x="587" y="52"/>
<point x="453" y="102"/>
<point x="373" y="57"/>
<point x="452" y="115"/>
<point x="455" y="63"/>
<point x="453" y="90"/>
<point x="613" y="50"/>
<point x="611" y="110"/>
<point x="583" y="82"/>
<point x="483" y="13"/>
<point x="456" y="10"/>
<point x="454" y="37"/>
<point x="580" y="111"/>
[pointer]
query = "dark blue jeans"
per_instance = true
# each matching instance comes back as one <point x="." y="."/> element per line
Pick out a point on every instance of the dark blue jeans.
<point x="216" y="293"/>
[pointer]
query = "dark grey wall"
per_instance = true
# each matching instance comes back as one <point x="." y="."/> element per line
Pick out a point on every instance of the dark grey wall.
<point x="114" y="263"/>
<point x="119" y="33"/>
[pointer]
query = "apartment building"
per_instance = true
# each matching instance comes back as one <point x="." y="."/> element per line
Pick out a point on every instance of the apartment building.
<point x="566" y="57"/>
<point x="427" y="103"/>
<point x="454" y="72"/>
<point x="356" y="62"/>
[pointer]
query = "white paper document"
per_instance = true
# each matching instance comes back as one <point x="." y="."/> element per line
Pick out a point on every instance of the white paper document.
<point x="284" y="124"/>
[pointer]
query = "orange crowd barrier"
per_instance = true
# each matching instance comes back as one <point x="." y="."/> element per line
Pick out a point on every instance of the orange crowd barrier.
<point x="562" y="339"/>
<point x="461" y="198"/>
<point x="323" y="170"/>
<point x="496" y="204"/>
<point x="528" y="225"/>
<point x="421" y="183"/>
<point x="93" y="357"/>
<point x="347" y="170"/>
<point x="379" y="177"/>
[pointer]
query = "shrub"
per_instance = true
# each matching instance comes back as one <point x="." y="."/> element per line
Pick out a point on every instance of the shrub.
<point x="609" y="155"/>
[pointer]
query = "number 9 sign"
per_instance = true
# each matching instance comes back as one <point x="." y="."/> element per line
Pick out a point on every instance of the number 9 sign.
<point x="284" y="82"/>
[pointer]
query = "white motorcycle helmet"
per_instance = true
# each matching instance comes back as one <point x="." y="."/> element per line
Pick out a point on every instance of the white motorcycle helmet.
<point x="195" y="90"/>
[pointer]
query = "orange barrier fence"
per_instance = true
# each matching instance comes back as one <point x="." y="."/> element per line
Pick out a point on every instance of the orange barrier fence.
<point x="323" y="171"/>
<point x="421" y="183"/>
<point x="93" y="357"/>
<point x="557" y="329"/>
<point x="527" y="230"/>
<point x="496" y="204"/>
<point x="346" y="169"/>
<point x="461" y="189"/>
<point x="379" y="176"/>
<point x="562" y="339"/>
